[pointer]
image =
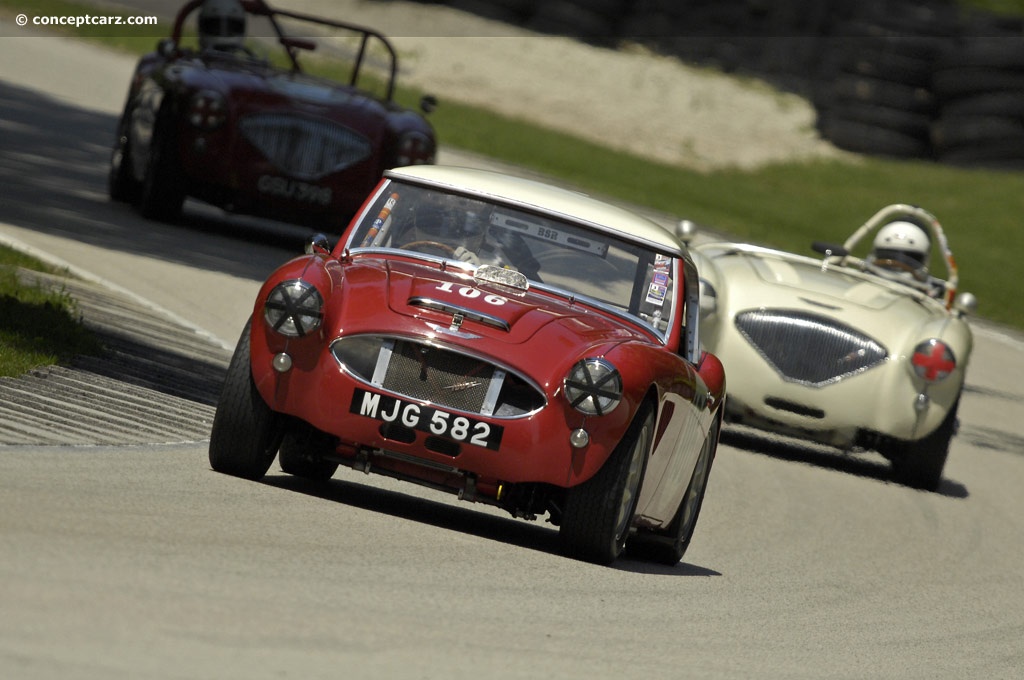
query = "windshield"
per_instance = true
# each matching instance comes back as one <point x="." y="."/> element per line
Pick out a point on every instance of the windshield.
<point x="626" y="277"/>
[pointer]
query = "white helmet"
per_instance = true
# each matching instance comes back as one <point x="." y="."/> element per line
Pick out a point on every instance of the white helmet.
<point x="221" y="25"/>
<point x="901" y="242"/>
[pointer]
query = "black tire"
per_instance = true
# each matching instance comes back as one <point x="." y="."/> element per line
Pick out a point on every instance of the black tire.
<point x="1004" y="154"/>
<point x="301" y="454"/>
<point x="988" y="52"/>
<point x="889" y="65"/>
<point x="1009" y="104"/>
<point x="162" y="194"/>
<point x="972" y="81"/>
<point x="670" y="547"/>
<point x="919" y="464"/>
<point x="121" y="186"/>
<point x="246" y="433"/>
<point x="916" y="125"/>
<point x="560" y="17"/>
<point x="951" y="132"/>
<point x="850" y="88"/>
<point x="870" y="139"/>
<point x="598" y="514"/>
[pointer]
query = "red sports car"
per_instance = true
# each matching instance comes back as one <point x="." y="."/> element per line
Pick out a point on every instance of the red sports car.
<point x="502" y="339"/>
<point x="238" y="118"/>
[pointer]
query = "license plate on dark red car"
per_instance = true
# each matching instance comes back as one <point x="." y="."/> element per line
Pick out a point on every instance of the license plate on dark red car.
<point x="435" y="421"/>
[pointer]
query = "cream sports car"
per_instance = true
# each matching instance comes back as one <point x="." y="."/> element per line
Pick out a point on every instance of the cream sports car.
<point x="837" y="349"/>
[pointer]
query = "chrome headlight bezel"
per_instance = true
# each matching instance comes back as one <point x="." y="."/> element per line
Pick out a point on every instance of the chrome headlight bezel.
<point x="415" y="148"/>
<point x="294" y="308"/>
<point x="593" y="386"/>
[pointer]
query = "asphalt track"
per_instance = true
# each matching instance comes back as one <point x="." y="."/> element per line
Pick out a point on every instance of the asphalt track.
<point x="136" y="561"/>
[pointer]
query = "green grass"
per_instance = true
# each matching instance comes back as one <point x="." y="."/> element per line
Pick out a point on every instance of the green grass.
<point x="40" y="327"/>
<point x="1005" y="7"/>
<point x="785" y="205"/>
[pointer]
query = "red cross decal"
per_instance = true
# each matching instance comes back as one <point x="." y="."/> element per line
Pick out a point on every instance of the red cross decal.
<point x="933" y="360"/>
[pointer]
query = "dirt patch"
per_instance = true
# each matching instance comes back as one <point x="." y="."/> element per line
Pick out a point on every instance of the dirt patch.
<point x="628" y="99"/>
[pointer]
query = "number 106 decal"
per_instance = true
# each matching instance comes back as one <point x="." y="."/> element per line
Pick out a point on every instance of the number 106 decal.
<point x="428" y="419"/>
<point x="470" y="292"/>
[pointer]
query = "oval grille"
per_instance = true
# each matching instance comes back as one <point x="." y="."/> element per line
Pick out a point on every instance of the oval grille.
<point x="305" y="148"/>
<point x="808" y="348"/>
<point x="430" y="373"/>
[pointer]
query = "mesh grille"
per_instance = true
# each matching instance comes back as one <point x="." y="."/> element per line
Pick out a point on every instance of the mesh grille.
<point x="304" y="148"/>
<point x="807" y="348"/>
<point x="439" y="376"/>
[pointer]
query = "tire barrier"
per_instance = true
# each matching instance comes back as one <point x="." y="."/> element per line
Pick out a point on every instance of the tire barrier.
<point x="980" y="86"/>
<point x="897" y="78"/>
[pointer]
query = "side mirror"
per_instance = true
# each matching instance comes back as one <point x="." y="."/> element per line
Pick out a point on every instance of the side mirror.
<point x="318" y="243"/>
<point x="166" y="48"/>
<point x="965" y="303"/>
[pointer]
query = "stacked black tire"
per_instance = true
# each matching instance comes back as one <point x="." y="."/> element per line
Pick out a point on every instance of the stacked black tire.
<point x="873" y="92"/>
<point x="896" y="78"/>
<point x="979" y="86"/>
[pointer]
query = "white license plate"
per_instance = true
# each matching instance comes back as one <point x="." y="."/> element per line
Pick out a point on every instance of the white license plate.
<point x="450" y="426"/>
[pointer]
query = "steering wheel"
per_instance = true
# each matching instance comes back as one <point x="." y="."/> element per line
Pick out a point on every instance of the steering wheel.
<point x="443" y="247"/>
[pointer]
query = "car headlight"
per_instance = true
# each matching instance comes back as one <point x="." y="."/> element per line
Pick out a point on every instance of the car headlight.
<point x="294" y="308"/>
<point x="932" y="360"/>
<point x="207" y="110"/>
<point x="415" y="148"/>
<point x="593" y="387"/>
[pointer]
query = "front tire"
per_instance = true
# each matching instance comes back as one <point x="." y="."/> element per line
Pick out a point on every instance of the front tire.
<point x="919" y="464"/>
<point x="598" y="514"/>
<point x="246" y="433"/>
<point x="162" y="195"/>
<point x="121" y="186"/>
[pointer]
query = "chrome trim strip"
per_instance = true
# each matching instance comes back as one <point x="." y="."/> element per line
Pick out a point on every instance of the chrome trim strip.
<point x="493" y="390"/>
<point x="481" y="317"/>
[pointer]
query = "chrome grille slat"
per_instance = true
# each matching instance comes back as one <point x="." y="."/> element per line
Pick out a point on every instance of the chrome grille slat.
<point x="303" y="147"/>
<point x="808" y="348"/>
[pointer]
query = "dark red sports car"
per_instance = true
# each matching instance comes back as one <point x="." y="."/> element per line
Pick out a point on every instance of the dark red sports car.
<point x="246" y="116"/>
<point x="505" y="340"/>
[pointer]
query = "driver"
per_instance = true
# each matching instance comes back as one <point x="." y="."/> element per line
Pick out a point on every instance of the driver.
<point x="448" y="224"/>
<point x="901" y="252"/>
<point x="221" y="25"/>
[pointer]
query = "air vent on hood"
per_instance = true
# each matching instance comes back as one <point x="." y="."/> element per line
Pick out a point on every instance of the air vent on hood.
<point x="460" y="312"/>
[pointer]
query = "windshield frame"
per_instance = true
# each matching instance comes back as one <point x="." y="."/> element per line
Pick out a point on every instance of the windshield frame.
<point x="650" y="262"/>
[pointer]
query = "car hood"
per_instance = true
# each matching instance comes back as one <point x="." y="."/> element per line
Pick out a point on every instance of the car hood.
<point x="781" y="279"/>
<point x="253" y="85"/>
<point x="890" y="312"/>
<point x="436" y="296"/>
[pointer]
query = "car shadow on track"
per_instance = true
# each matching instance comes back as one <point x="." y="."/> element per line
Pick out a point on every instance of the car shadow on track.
<point x="530" y="535"/>
<point x="54" y="173"/>
<point x="869" y="466"/>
